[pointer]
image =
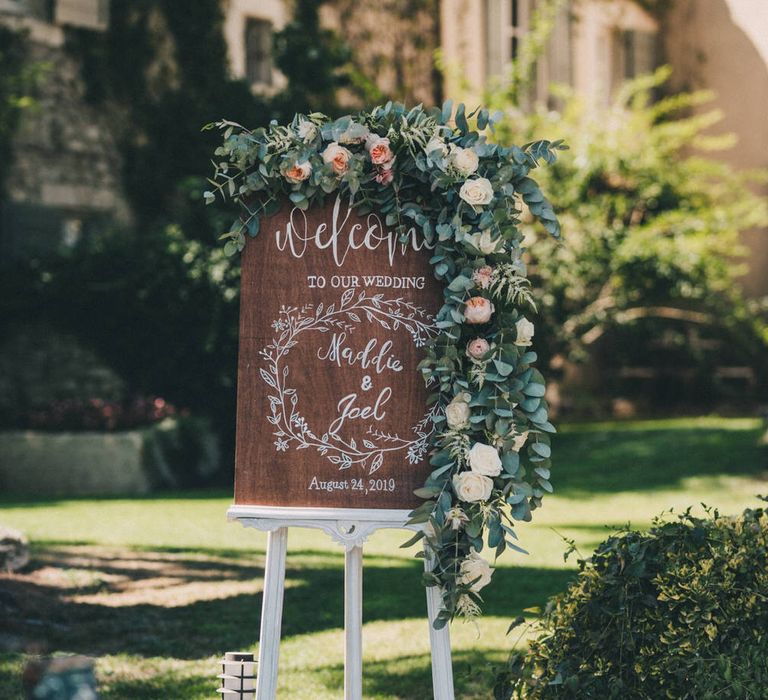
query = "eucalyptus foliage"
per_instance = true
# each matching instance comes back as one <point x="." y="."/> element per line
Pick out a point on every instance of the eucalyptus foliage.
<point x="420" y="188"/>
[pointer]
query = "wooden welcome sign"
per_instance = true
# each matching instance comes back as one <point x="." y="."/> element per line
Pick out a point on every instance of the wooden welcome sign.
<point x="331" y="410"/>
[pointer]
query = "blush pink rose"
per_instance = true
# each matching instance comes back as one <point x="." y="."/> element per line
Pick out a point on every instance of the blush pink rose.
<point x="338" y="157"/>
<point x="478" y="310"/>
<point x="379" y="150"/>
<point x="298" y="173"/>
<point x="477" y="348"/>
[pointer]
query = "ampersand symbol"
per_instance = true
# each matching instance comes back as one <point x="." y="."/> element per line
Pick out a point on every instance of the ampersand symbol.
<point x="367" y="383"/>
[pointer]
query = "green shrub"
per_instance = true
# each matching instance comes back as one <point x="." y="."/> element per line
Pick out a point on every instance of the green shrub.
<point x="648" y="274"/>
<point x="679" y="612"/>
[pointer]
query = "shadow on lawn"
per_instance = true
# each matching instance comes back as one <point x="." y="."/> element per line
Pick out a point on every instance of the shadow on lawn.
<point x="95" y="601"/>
<point x="595" y="460"/>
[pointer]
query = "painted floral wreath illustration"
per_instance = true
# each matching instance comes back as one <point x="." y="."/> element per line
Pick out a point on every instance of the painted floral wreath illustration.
<point x="291" y="427"/>
<point x="428" y="171"/>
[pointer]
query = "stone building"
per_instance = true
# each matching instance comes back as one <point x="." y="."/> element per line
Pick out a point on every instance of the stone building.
<point x="720" y="45"/>
<point x="65" y="177"/>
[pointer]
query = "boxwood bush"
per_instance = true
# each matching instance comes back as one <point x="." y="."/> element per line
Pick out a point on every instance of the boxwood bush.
<point x="678" y="612"/>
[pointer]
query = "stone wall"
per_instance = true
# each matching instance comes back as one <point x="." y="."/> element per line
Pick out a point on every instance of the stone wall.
<point x="72" y="464"/>
<point x="65" y="177"/>
<point x="394" y="44"/>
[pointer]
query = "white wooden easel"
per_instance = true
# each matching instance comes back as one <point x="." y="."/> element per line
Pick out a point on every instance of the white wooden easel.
<point x="350" y="527"/>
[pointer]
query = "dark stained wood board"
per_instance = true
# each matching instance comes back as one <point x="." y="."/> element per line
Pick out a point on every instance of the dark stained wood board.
<point x="331" y="411"/>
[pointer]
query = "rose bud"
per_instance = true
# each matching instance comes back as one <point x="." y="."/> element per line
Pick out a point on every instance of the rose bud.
<point x="477" y="348"/>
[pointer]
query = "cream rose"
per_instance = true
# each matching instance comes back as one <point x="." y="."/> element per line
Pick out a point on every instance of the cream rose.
<point x="519" y="441"/>
<point x="477" y="192"/>
<point x="471" y="487"/>
<point x="299" y="172"/>
<point x="457" y="412"/>
<point x="307" y="131"/>
<point x="465" y="160"/>
<point x="476" y="571"/>
<point x="478" y="310"/>
<point x="477" y="348"/>
<point x="379" y="150"/>
<point x="484" y="242"/>
<point x="484" y="459"/>
<point x="337" y="156"/>
<point x="436" y="144"/>
<point x="524" y="330"/>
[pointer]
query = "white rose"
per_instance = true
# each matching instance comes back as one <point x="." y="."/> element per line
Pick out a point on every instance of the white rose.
<point x="307" y="131"/>
<point x="524" y="332"/>
<point x="519" y="440"/>
<point x="471" y="487"/>
<point x="484" y="242"/>
<point x="477" y="192"/>
<point x="436" y="144"/>
<point x="457" y="412"/>
<point x="484" y="459"/>
<point x="475" y="570"/>
<point x="465" y="160"/>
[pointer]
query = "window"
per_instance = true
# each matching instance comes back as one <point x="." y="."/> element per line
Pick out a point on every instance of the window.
<point x="509" y="21"/>
<point x="516" y="21"/>
<point x="258" y="51"/>
<point x="634" y="53"/>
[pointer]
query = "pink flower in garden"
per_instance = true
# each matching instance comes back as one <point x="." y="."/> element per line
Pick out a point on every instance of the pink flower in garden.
<point x="482" y="276"/>
<point x="478" y="310"/>
<point x="477" y="348"/>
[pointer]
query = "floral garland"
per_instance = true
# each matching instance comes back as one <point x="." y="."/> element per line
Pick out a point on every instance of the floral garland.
<point x="429" y="169"/>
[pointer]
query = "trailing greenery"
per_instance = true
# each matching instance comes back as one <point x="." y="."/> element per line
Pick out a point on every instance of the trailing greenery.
<point x="654" y="250"/>
<point x="678" y="612"/>
<point x="436" y="179"/>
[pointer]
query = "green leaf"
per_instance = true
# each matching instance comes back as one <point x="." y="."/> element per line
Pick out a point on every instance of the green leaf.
<point x="541" y="449"/>
<point x="413" y="540"/>
<point x="503" y="368"/>
<point x="535" y="390"/>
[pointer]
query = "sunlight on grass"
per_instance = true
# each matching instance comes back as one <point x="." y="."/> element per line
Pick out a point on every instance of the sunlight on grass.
<point x="164" y="585"/>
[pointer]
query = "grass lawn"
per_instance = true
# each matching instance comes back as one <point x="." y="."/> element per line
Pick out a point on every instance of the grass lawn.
<point x="158" y="588"/>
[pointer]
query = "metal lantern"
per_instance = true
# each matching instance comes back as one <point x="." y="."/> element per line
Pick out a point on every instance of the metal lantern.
<point x="238" y="676"/>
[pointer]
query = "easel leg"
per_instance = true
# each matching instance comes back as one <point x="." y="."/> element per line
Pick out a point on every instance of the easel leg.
<point x="440" y="643"/>
<point x="353" y="624"/>
<point x="271" y="614"/>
